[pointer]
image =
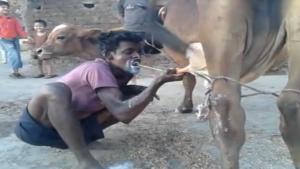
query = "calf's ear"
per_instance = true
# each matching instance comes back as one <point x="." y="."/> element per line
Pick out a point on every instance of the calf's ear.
<point x="91" y="35"/>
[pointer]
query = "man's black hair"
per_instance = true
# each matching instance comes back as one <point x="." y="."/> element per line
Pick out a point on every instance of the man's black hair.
<point x="109" y="41"/>
<point x="2" y="3"/>
<point x="43" y="22"/>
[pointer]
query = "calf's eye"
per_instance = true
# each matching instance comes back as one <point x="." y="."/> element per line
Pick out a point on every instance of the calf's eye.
<point x="61" y="37"/>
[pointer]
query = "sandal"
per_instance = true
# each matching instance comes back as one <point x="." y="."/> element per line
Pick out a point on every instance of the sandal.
<point x="49" y="76"/>
<point x="16" y="76"/>
<point x="39" y="76"/>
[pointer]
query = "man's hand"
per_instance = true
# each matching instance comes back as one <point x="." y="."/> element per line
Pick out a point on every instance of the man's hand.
<point x="170" y="76"/>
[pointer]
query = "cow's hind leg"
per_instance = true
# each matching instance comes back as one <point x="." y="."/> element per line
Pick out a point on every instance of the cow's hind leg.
<point x="289" y="101"/>
<point x="289" y="106"/>
<point x="189" y="81"/>
<point x="227" y="119"/>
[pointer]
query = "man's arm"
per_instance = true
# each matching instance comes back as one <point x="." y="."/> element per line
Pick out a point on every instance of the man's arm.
<point x="20" y="30"/>
<point x="129" y="91"/>
<point x="126" y="111"/>
<point x="29" y="40"/>
<point x="118" y="9"/>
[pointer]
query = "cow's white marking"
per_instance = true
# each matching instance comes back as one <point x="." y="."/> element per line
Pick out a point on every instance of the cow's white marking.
<point x="59" y="27"/>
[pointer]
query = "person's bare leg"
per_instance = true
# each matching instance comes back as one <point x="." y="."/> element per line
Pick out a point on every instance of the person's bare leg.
<point x="48" y="68"/>
<point x="57" y="98"/>
<point x="40" y="67"/>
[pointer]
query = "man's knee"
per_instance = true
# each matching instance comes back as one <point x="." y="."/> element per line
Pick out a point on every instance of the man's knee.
<point x="51" y="96"/>
<point x="57" y="92"/>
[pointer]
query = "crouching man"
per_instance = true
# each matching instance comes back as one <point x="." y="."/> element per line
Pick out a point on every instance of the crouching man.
<point x="75" y="110"/>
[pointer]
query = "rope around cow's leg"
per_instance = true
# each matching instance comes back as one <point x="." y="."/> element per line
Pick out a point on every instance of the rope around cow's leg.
<point x="203" y="109"/>
<point x="291" y="90"/>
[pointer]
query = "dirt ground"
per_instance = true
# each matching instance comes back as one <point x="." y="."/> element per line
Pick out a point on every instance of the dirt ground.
<point x="158" y="139"/>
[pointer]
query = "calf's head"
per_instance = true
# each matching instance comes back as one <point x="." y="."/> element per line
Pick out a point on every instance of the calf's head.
<point x="66" y="40"/>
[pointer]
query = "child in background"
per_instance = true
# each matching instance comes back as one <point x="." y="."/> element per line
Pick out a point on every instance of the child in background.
<point x="40" y="36"/>
<point x="10" y="32"/>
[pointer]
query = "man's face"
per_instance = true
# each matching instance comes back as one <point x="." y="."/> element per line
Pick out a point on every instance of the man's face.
<point x="4" y="10"/>
<point x="127" y="57"/>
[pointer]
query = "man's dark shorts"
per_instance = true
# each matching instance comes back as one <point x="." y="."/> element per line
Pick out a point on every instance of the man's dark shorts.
<point x="33" y="132"/>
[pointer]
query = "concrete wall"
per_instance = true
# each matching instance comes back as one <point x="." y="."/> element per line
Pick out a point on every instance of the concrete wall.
<point x="88" y="13"/>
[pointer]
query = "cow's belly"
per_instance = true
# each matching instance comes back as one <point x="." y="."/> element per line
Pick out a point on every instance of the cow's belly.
<point x="260" y="59"/>
<point x="265" y="40"/>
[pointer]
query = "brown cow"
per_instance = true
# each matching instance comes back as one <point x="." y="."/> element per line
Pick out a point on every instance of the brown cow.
<point x="241" y="40"/>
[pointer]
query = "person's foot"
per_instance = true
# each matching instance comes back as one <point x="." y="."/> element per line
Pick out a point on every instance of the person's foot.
<point x="39" y="76"/>
<point x="16" y="76"/>
<point x="49" y="76"/>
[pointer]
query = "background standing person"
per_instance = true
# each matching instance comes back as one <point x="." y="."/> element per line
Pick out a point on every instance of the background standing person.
<point x="40" y="36"/>
<point x="10" y="32"/>
<point x="132" y="13"/>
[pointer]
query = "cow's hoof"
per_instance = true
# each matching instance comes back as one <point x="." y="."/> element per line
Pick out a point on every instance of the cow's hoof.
<point x="184" y="110"/>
